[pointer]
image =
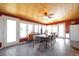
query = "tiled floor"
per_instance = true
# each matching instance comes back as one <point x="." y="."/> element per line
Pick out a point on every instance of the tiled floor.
<point x="61" y="47"/>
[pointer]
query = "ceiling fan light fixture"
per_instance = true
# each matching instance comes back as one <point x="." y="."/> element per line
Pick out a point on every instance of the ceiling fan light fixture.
<point x="46" y="15"/>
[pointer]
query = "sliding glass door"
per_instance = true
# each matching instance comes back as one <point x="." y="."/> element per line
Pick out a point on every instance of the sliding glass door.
<point x="11" y="31"/>
<point x="10" y="37"/>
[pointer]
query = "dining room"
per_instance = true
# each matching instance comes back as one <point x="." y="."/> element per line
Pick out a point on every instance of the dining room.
<point x="39" y="29"/>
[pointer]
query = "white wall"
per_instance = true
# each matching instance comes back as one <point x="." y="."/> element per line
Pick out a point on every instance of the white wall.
<point x="74" y="32"/>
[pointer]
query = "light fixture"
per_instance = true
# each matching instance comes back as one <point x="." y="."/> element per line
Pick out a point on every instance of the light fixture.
<point x="46" y="15"/>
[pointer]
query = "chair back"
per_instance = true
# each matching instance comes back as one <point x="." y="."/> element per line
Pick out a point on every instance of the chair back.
<point x="52" y="37"/>
<point x="49" y="38"/>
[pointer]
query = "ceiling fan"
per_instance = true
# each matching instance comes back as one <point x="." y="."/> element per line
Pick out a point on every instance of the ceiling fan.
<point x="48" y="15"/>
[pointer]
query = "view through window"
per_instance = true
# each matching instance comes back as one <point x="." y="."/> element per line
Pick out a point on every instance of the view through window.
<point x="23" y="31"/>
<point x="11" y="31"/>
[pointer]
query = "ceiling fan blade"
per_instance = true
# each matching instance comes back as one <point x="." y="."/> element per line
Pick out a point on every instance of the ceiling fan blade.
<point x="51" y="14"/>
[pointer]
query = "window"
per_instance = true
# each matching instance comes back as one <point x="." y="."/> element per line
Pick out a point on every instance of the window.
<point x="39" y="28"/>
<point x="36" y="29"/>
<point x="55" y="29"/>
<point x="67" y="35"/>
<point x="61" y="30"/>
<point x="23" y="31"/>
<point x="11" y="31"/>
<point x="49" y="29"/>
<point x="43" y="29"/>
<point x="30" y="28"/>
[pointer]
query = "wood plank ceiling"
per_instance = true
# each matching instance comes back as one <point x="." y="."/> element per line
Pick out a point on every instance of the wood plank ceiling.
<point x="34" y="11"/>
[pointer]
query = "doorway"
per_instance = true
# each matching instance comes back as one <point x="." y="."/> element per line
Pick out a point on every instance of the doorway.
<point x="10" y="31"/>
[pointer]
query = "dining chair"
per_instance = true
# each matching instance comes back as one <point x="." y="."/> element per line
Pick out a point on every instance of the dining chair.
<point x="37" y="42"/>
<point x="34" y="40"/>
<point x="42" y="43"/>
<point x="50" y="39"/>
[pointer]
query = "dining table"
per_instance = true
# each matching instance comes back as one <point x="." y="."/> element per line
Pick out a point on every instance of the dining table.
<point x="43" y="38"/>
